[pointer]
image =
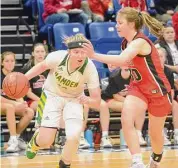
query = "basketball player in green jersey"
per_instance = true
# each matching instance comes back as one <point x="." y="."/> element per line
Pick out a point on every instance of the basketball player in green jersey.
<point x="63" y="95"/>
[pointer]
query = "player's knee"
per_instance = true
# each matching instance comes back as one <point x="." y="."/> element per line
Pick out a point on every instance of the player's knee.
<point x="45" y="141"/>
<point x="30" y="113"/>
<point x="103" y="104"/>
<point x="73" y="129"/>
<point x="127" y="122"/>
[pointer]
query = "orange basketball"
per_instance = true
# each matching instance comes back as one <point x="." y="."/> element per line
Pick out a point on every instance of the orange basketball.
<point x="15" y="85"/>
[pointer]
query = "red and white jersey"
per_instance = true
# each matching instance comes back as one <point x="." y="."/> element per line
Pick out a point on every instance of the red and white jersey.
<point x="147" y="72"/>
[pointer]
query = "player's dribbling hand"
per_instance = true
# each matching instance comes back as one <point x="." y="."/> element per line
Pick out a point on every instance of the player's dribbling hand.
<point x="83" y="99"/>
<point x="88" y="49"/>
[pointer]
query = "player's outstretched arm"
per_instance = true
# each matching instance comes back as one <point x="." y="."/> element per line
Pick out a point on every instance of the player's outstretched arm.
<point x="37" y="70"/>
<point x="133" y="49"/>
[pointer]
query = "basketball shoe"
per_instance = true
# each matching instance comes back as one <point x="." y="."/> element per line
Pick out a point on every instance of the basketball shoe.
<point x="32" y="149"/>
<point x="152" y="164"/>
<point x="83" y="143"/>
<point x="105" y="142"/>
<point x="12" y="146"/>
<point x="21" y="143"/>
<point x="175" y="138"/>
<point x="62" y="165"/>
<point x="137" y="165"/>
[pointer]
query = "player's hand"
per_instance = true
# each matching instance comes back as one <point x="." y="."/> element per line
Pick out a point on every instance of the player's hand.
<point x="20" y="106"/>
<point x="88" y="49"/>
<point x="111" y="67"/>
<point x="84" y="99"/>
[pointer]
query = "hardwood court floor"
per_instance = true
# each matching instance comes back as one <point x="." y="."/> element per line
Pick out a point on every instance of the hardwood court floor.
<point x="106" y="159"/>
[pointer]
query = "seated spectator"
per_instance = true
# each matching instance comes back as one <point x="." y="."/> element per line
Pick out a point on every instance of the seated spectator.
<point x="175" y="23"/>
<point x="104" y="120"/>
<point x="10" y="108"/>
<point x="171" y="45"/>
<point x="33" y="96"/>
<point x="61" y="11"/>
<point x="137" y="4"/>
<point x="115" y="94"/>
<point x="165" y="9"/>
<point x="98" y="10"/>
<point x="169" y="75"/>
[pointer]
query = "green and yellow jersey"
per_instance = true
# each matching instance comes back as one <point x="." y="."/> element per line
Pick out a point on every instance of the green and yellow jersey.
<point x="63" y="83"/>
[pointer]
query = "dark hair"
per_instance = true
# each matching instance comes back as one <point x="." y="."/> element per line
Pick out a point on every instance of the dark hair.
<point x="142" y="18"/>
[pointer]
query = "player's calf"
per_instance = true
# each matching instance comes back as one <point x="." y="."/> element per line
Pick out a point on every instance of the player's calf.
<point x="32" y="147"/>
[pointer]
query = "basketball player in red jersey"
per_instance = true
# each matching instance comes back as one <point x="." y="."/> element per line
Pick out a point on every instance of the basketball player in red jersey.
<point x="149" y="88"/>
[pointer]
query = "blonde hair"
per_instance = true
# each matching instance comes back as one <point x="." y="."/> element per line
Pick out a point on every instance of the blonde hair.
<point x="142" y="18"/>
<point x="4" y="54"/>
<point x="75" y="38"/>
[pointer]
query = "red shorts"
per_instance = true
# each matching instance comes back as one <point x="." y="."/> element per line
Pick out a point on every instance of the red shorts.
<point x="157" y="106"/>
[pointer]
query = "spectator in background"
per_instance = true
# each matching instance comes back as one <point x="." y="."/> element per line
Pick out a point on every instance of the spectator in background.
<point x="115" y="94"/>
<point x="165" y="9"/>
<point x="171" y="46"/>
<point x="10" y="107"/>
<point x="33" y="96"/>
<point x="175" y="24"/>
<point x="137" y="4"/>
<point x="104" y="120"/>
<point x="61" y="11"/>
<point x="97" y="10"/>
<point x="169" y="74"/>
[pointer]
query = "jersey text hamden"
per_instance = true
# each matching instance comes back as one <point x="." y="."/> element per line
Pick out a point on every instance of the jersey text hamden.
<point x="63" y="81"/>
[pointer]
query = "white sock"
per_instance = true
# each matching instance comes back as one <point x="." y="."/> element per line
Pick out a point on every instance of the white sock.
<point x="82" y="134"/>
<point x="18" y="135"/>
<point x="137" y="158"/>
<point x="104" y="133"/>
<point x="176" y="132"/>
<point x="139" y="133"/>
<point x="13" y="138"/>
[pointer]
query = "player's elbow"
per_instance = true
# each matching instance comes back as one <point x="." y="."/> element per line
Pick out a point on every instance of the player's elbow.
<point x="43" y="66"/>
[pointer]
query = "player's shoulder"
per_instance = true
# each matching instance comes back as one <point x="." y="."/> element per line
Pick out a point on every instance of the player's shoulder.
<point x="90" y="64"/>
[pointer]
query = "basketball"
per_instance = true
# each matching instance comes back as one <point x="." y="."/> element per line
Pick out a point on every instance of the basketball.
<point x="15" y="85"/>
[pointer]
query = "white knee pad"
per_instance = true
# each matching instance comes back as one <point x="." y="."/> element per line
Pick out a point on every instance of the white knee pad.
<point x="73" y="128"/>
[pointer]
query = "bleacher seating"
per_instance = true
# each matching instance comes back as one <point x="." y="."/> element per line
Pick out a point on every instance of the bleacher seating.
<point x="62" y="30"/>
<point x="116" y="6"/>
<point x="104" y="37"/>
<point x="102" y="70"/>
<point x="43" y="28"/>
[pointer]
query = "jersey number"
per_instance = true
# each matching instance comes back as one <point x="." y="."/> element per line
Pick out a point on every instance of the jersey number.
<point x="135" y="74"/>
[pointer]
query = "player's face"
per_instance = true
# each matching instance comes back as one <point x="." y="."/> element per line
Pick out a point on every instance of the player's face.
<point x="77" y="56"/>
<point x="9" y="62"/>
<point x="39" y="53"/>
<point x="169" y="34"/>
<point x="122" y="26"/>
